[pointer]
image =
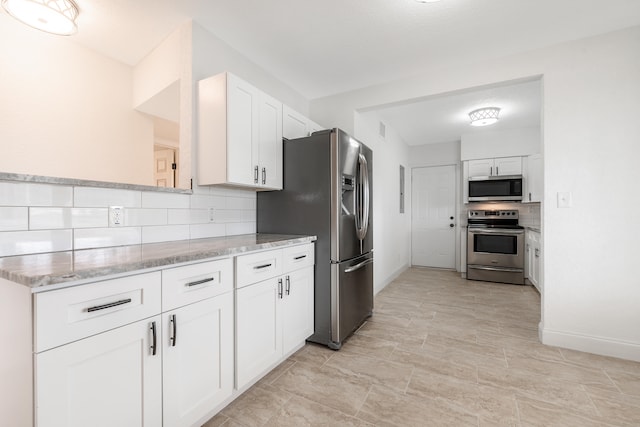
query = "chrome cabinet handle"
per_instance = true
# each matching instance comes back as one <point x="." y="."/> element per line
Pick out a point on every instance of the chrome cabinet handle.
<point x="255" y="175"/>
<point x="109" y="305"/>
<point x="154" y="338"/>
<point x="174" y="330"/>
<point x="299" y="257"/>
<point x="529" y="196"/>
<point x="490" y="170"/>
<point x="497" y="170"/>
<point x="200" y="282"/>
<point x="358" y="266"/>
<point x="288" y="288"/>
<point x="264" y="175"/>
<point x="280" y="288"/>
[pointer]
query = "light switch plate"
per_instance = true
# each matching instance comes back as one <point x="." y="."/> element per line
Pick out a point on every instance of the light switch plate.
<point x="564" y="199"/>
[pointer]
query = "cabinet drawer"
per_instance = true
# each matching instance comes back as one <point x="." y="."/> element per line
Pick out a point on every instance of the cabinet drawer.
<point x="66" y="315"/>
<point x="192" y="283"/>
<point x="259" y="266"/>
<point x="297" y="257"/>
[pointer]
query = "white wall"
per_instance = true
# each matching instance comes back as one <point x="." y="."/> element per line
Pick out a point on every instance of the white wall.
<point x="67" y="111"/>
<point x="445" y="153"/>
<point x="504" y="143"/>
<point x="391" y="229"/>
<point x="591" y="103"/>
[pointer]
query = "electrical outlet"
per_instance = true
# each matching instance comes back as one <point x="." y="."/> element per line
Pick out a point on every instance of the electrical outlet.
<point x="116" y="216"/>
<point x="211" y="215"/>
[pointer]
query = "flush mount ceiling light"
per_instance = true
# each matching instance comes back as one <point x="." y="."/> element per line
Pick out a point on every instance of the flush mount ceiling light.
<point x="427" y="1"/>
<point x="52" y="16"/>
<point x="484" y="116"/>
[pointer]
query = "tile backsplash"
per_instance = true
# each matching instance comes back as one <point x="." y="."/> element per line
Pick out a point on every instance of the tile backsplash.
<point x="37" y="217"/>
<point x="529" y="213"/>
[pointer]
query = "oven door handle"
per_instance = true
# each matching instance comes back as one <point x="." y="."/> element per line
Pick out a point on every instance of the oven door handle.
<point x="487" y="268"/>
<point x="494" y="231"/>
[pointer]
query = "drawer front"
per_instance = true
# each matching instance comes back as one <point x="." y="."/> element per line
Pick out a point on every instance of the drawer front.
<point x="297" y="257"/>
<point x="66" y="315"/>
<point x="252" y="268"/>
<point x="192" y="283"/>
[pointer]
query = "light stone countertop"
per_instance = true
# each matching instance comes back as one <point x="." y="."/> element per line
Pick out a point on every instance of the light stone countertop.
<point x="59" y="268"/>
<point x="536" y="229"/>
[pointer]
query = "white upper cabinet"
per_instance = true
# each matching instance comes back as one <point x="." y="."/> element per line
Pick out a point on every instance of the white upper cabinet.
<point x="296" y="125"/>
<point x="240" y="134"/>
<point x="533" y="178"/>
<point x="501" y="166"/>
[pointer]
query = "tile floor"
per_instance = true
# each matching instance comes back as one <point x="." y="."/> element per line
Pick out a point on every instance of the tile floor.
<point x="443" y="351"/>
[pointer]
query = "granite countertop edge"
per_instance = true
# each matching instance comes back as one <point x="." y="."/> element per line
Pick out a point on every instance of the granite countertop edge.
<point x="67" y="275"/>
<point x="536" y="229"/>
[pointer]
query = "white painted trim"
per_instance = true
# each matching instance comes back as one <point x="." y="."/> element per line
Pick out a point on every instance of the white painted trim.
<point x="591" y="344"/>
<point x="391" y="278"/>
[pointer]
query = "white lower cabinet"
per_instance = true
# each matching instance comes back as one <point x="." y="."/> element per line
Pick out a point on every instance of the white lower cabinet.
<point x="157" y="349"/>
<point x="534" y="259"/>
<point x="110" y="379"/>
<point x="197" y="359"/>
<point x="275" y="316"/>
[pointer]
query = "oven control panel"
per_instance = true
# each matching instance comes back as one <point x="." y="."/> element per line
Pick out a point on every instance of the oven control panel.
<point x="503" y="214"/>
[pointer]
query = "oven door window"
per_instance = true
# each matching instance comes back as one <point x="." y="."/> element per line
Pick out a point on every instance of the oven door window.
<point x="496" y="244"/>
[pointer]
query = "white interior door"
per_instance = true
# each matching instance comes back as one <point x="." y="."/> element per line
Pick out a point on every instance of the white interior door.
<point x="433" y="239"/>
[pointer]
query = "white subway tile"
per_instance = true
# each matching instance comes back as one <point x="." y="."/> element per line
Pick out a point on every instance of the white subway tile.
<point x="235" y="203"/>
<point x="200" y="231"/>
<point x="240" y="228"/>
<point x="103" y="237"/>
<point x="141" y="217"/>
<point x="105" y="197"/>
<point x="52" y="218"/>
<point x="224" y="215"/>
<point x="14" y="218"/>
<point x="179" y="216"/>
<point x="202" y="201"/>
<point x="30" y="194"/>
<point x="32" y="242"/>
<point x="164" y="200"/>
<point x="165" y="233"/>
<point x="199" y="216"/>
<point x="249" y="216"/>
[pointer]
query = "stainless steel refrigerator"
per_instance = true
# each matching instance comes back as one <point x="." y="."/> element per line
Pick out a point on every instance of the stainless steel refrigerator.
<point x="327" y="193"/>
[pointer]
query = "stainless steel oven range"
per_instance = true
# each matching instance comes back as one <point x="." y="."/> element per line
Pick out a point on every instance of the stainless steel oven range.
<point x="495" y="246"/>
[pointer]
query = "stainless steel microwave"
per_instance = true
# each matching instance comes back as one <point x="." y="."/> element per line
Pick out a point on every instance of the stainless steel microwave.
<point x="495" y="188"/>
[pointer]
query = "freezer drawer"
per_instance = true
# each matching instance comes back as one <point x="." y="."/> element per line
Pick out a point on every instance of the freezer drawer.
<point x="351" y="296"/>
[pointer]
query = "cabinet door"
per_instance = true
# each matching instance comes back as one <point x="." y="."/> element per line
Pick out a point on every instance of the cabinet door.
<point x="294" y="124"/>
<point x="482" y="167"/>
<point x="197" y="359"/>
<point x="534" y="173"/>
<point x="242" y="131"/>
<point x="109" y="379"/>
<point x="270" y="143"/>
<point x="297" y="308"/>
<point x="258" y="329"/>
<point x="507" y="166"/>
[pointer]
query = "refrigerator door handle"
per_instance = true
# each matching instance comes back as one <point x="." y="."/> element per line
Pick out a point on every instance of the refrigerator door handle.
<point x="362" y="198"/>
<point x="358" y="266"/>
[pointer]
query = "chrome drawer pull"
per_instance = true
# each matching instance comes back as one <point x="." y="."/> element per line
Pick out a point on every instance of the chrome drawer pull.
<point x="200" y="282"/>
<point x="109" y="305"/>
<point x="258" y="267"/>
<point x="300" y="257"/>
<point x="174" y="330"/>
<point x="154" y="339"/>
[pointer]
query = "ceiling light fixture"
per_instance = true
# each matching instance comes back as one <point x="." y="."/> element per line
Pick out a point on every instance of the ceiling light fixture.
<point x="484" y="116"/>
<point x="427" y="1"/>
<point x="52" y="16"/>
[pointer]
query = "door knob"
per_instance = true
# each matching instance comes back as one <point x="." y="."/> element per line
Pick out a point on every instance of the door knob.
<point x="451" y="225"/>
<point x="450" y="217"/>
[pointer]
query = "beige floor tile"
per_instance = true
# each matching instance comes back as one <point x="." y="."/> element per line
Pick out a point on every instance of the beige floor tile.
<point x="300" y="412"/>
<point x="444" y="351"/>
<point x="384" y="407"/>
<point x="541" y="387"/>
<point x="257" y="405"/>
<point x="379" y="371"/>
<point x="326" y="385"/>
<point x="534" y="413"/>
<point x="492" y="404"/>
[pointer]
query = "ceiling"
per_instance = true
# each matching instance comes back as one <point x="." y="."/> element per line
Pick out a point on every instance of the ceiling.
<point x="445" y="118"/>
<point x="324" y="47"/>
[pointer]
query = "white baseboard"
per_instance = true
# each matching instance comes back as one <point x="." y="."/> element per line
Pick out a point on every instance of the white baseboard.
<point x="390" y="278"/>
<point x="591" y="344"/>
